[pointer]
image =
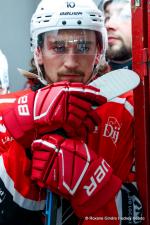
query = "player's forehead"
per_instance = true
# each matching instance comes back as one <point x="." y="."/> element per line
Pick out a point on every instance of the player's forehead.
<point x="119" y="8"/>
<point x="71" y="35"/>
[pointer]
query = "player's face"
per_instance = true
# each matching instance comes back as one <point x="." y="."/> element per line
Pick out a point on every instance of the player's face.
<point x="68" y="55"/>
<point x="118" y="25"/>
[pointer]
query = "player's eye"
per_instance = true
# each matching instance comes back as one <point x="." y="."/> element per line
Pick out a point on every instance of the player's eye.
<point x="82" y="47"/>
<point x="59" y="47"/>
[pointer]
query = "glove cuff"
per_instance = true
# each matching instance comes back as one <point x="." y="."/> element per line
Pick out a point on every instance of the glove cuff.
<point x="19" y="120"/>
<point x="99" y="200"/>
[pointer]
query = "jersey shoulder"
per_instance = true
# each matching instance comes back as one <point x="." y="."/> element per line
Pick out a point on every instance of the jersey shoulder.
<point x="7" y="100"/>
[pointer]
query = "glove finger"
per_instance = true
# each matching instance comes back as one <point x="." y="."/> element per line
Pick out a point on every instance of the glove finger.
<point x="74" y="121"/>
<point x="80" y="103"/>
<point x="82" y="132"/>
<point x="77" y="116"/>
<point x="94" y="117"/>
<point x="80" y="127"/>
<point x="78" y="112"/>
<point x="36" y="173"/>
<point x="69" y="130"/>
<point x="96" y="98"/>
<point x="89" y="124"/>
<point x="42" y="155"/>
<point x="91" y="120"/>
<point x="43" y="151"/>
<point x="87" y="92"/>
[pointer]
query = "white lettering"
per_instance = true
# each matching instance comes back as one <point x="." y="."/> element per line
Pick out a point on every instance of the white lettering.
<point x="112" y="129"/>
<point x="97" y="178"/>
<point x="108" y="131"/>
<point x="23" y="99"/>
<point x="71" y="13"/>
<point x="115" y="135"/>
<point x="70" y="4"/>
<point x="99" y="174"/>
<point x="23" y="109"/>
<point x="106" y="166"/>
<point x="7" y="139"/>
<point x="90" y="189"/>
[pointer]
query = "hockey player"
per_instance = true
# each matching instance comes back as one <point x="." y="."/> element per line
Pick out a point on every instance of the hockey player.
<point x="55" y="138"/>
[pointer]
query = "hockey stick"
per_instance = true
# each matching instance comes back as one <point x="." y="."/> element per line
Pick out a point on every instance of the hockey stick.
<point x="51" y="208"/>
<point x="116" y="83"/>
<point x="111" y="85"/>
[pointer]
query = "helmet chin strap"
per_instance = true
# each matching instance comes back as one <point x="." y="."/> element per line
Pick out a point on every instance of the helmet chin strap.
<point x="100" y="62"/>
<point x="93" y="75"/>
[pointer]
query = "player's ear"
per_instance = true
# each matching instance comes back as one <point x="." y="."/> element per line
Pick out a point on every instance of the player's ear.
<point x="97" y="57"/>
<point x="39" y="55"/>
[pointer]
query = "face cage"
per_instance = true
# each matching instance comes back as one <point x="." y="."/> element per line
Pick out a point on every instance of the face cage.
<point x="102" y="46"/>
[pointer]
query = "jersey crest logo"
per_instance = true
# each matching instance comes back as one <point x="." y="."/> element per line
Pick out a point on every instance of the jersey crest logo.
<point x="112" y="129"/>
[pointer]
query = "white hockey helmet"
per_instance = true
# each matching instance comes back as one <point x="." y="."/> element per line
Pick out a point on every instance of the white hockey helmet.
<point x="76" y="14"/>
<point x="4" y="77"/>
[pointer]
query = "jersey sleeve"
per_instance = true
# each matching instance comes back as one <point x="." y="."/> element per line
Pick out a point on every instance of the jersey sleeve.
<point x="21" y="201"/>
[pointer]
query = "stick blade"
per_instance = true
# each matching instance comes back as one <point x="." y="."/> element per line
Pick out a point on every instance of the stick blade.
<point x="116" y="83"/>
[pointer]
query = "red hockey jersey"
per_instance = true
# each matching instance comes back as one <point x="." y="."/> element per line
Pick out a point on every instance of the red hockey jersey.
<point x="113" y="140"/>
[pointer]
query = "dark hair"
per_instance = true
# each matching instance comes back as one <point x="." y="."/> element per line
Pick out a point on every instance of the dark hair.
<point x="106" y="3"/>
<point x="41" y="40"/>
<point x="33" y="83"/>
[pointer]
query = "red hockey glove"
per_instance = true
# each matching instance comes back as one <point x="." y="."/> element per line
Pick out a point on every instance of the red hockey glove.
<point x="69" y="168"/>
<point x="60" y="105"/>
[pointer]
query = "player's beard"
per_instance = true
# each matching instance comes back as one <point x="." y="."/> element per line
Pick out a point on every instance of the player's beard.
<point x="119" y="54"/>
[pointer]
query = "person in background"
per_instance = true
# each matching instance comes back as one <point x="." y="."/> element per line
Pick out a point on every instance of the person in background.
<point x="65" y="137"/>
<point x="118" y="24"/>
<point x="99" y="4"/>
<point x="4" y="76"/>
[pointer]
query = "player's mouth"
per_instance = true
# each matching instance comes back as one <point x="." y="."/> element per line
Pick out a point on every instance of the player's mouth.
<point x="73" y="77"/>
